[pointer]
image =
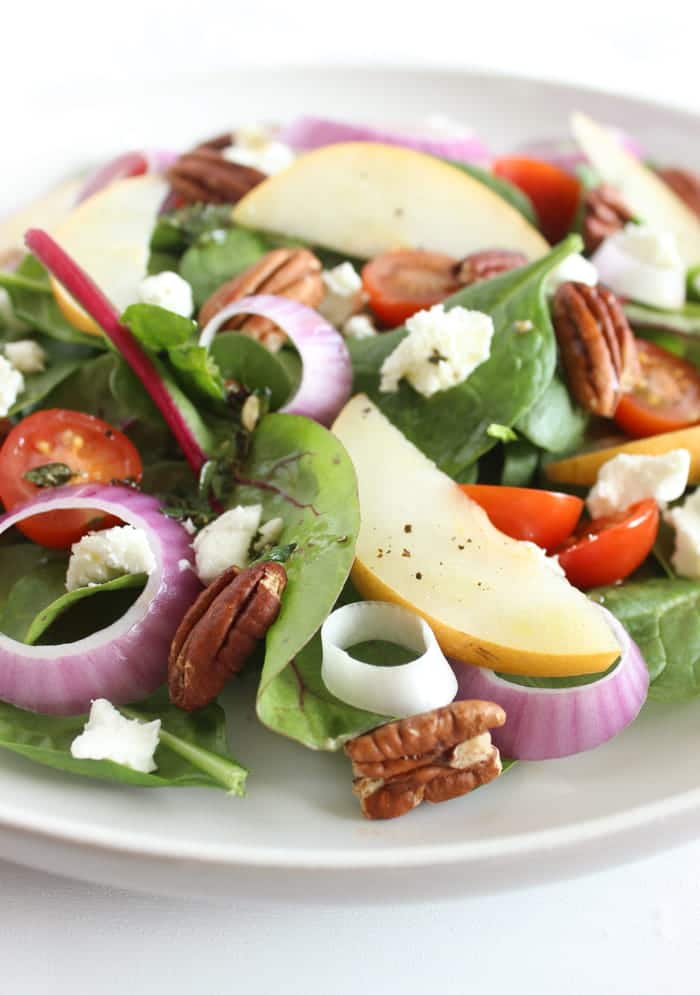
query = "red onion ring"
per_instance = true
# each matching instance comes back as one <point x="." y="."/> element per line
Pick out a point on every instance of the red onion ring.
<point x="326" y="375"/>
<point x="307" y="133"/>
<point x="127" y="660"/>
<point x="546" y="723"/>
<point x="123" y="166"/>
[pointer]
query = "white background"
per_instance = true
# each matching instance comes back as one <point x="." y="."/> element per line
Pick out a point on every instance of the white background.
<point x="633" y="930"/>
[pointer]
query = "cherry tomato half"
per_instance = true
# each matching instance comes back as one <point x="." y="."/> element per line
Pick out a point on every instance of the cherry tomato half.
<point x="608" y="549"/>
<point x="92" y="449"/>
<point x="546" y="518"/>
<point x="666" y="398"/>
<point x="553" y="192"/>
<point x="402" y="282"/>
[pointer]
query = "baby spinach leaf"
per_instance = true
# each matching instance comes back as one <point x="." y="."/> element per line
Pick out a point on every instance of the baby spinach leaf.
<point x="520" y="461"/>
<point x="62" y="360"/>
<point x="554" y="422"/>
<point x="157" y="328"/>
<point x="663" y="617"/>
<point x="48" y="615"/>
<point x="508" y="191"/>
<point x="218" y="256"/>
<point x="451" y="426"/>
<point x="192" y="751"/>
<point x="248" y="362"/>
<point x="197" y="371"/>
<point x="178" y="230"/>
<point x="30" y="592"/>
<point x="300" y="472"/>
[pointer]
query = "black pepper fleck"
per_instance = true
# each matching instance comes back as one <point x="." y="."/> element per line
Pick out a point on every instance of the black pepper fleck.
<point x="419" y="576"/>
<point x="408" y="528"/>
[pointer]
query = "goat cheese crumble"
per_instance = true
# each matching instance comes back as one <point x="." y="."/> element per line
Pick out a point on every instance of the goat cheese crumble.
<point x="441" y="350"/>
<point x="360" y="326"/>
<point x="109" y="735"/>
<point x="26" y="355"/>
<point x="685" y="520"/>
<point x="167" y="290"/>
<point x="102" y="556"/>
<point x="628" y="478"/>
<point x="226" y="541"/>
<point x="344" y="295"/>
<point x="11" y="385"/>
<point x="574" y="269"/>
<point x="639" y="262"/>
<point x="255" y="146"/>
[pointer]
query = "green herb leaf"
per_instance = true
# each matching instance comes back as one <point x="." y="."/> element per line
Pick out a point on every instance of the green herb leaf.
<point x="451" y="427"/>
<point x="49" y="475"/>
<point x="216" y="257"/>
<point x="197" y="371"/>
<point x="157" y="328"/>
<point x="249" y="363"/>
<point x="62" y="360"/>
<point x="178" y="230"/>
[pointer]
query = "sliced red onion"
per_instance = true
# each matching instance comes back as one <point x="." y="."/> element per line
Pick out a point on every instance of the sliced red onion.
<point x="127" y="660"/>
<point x="90" y="297"/>
<point x="326" y="374"/>
<point x="306" y="133"/>
<point x="123" y="166"/>
<point x="567" y="154"/>
<point x="546" y="723"/>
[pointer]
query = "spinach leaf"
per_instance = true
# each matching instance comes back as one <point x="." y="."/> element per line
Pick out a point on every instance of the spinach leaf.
<point x="197" y="372"/>
<point x="217" y="256"/>
<point x="178" y="230"/>
<point x="520" y="461"/>
<point x="451" y="427"/>
<point x="300" y="472"/>
<point x="38" y="308"/>
<point x="30" y="593"/>
<point x="685" y="321"/>
<point x="241" y="358"/>
<point x="663" y="618"/>
<point x="47" y="616"/>
<point x="61" y="361"/>
<point x="192" y="751"/>
<point x="554" y="422"/>
<point x="157" y="328"/>
<point x="508" y="191"/>
<point x="20" y="559"/>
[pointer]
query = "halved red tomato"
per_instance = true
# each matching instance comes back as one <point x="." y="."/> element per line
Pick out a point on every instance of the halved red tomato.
<point x="543" y="517"/>
<point x="402" y="282"/>
<point x="666" y="398"/>
<point x="553" y="192"/>
<point x="605" y="550"/>
<point x="91" y="448"/>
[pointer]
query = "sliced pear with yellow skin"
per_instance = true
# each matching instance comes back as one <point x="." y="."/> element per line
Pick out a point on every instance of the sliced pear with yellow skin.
<point x="109" y="236"/>
<point x="582" y="469"/>
<point x="649" y="198"/>
<point x="44" y="212"/>
<point x="490" y="600"/>
<point x="363" y="198"/>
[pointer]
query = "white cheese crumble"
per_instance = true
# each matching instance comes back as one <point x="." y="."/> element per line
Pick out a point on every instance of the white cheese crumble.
<point x="441" y="350"/>
<point x="628" y="478"/>
<point x="344" y="295"/>
<point x="574" y="269"/>
<point x="26" y="355"/>
<point x="255" y="146"/>
<point x="226" y="541"/>
<point x="268" y="534"/>
<point x="685" y="519"/>
<point x="102" y="556"/>
<point x="644" y="264"/>
<point x="168" y="290"/>
<point x="360" y="326"/>
<point x="108" y="735"/>
<point x="11" y="385"/>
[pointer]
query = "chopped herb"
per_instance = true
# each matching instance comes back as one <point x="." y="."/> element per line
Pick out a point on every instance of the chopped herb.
<point x="49" y="475"/>
<point x="436" y="357"/>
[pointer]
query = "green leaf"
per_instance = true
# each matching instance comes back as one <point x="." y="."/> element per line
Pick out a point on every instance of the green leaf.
<point x="520" y="461"/>
<point x="197" y="371"/>
<point x="300" y="472"/>
<point x="451" y="427"/>
<point x="21" y="559"/>
<point x="32" y="588"/>
<point x="192" y="751"/>
<point x="502" y="433"/>
<point x="49" y="474"/>
<point x="663" y="617"/>
<point x="157" y="328"/>
<point x="508" y="191"/>
<point x="47" y="616"/>
<point x="554" y="422"/>
<point x="246" y="361"/>
<point x="685" y="321"/>
<point x="62" y="359"/>
<point x="216" y="257"/>
<point x="178" y="230"/>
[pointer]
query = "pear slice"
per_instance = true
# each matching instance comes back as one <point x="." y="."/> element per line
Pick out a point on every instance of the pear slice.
<point x="363" y="198"/>
<point x="44" y="212"/>
<point x="649" y="198"/>
<point x="490" y="599"/>
<point x="109" y="236"/>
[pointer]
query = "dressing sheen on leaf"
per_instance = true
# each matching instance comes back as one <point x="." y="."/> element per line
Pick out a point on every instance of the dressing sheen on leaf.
<point x="451" y="427"/>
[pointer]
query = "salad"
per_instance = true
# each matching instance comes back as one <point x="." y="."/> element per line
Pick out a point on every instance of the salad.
<point x="405" y="431"/>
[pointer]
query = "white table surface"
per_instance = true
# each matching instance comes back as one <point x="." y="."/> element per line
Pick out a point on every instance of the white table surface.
<point x="631" y="930"/>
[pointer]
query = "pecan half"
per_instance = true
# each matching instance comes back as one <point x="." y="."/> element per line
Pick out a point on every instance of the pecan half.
<point x="596" y="344"/>
<point x="433" y="757"/>
<point x="205" y="175"/>
<point x="604" y="212"/>
<point x="685" y="184"/>
<point x="483" y="265"/>
<point x="293" y="273"/>
<point x="221" y="630"/>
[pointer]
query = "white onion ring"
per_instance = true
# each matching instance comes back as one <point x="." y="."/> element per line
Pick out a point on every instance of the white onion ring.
<point x="406" y="689"/>
<point x="127" y="660"/>
<point x="546" y="723"/>
<point x="326" y="375"/>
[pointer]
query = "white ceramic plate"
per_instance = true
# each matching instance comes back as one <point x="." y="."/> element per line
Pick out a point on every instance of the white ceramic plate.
<point x="298" y="833"/>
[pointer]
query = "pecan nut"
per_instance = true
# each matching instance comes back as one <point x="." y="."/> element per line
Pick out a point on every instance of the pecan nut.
<point x="220" y="631"/>
<point x="293" y="273"/>
<point x="432" y="757"/>
<point x="483" y="265"/>
<point x="604" y="212"/>
<point x="596" y="344"/>
<point x="204" y="175"/>
<point x="685" y="184"/>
